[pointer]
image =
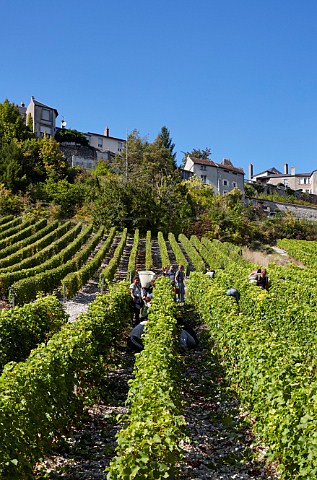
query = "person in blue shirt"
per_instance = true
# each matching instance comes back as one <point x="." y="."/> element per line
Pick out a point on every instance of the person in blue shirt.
<point x="171" y="274"/>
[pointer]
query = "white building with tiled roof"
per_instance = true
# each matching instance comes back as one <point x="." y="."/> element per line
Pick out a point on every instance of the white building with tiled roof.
<point x="222" y="176"/>
<point x="306" y="182"/>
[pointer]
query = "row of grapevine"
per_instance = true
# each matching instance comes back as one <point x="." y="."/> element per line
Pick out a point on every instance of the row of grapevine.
<point x="67" y="251"/>
<point x="7" y="226"/>
<point x="16" y="226"/>
<point x="25" y="244"/>
<point x="45" y="278"/>
<point x="133" y="255"/>
<point x="6" y="219"/>
<point x="268" y="343"/>
<point x="20" y="232"/>
<point x="302" y="250"/>
<point x="64" y="237"/>
<point x="107" y="274"/>
<point x="149" y="444"/>
<point x="165" y="261"/>
<point x="180" y="257"/>
<point x="38" y="397"/>
<point x="23" y="328"/>
<point x="148" y="251"/>
<point x="191" y="251"/>
<point x="74" y="281"/>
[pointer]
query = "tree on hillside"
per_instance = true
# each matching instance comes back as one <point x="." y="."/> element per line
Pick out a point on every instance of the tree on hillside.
<point x="144" y="162"/>
<point x="130" y="163"/>
<point x="166" y="139"/>
<point x="102" y="169"/>
<point x="12" y="125"/>
<point x="201" y="153"/>
<point x="54" y="162"/>
<point x="197" y="153"/>
<point x="13" y="172"/>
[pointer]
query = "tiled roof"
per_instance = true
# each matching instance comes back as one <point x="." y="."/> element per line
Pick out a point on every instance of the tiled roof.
<point x="272" y="171"/>
<point x="227" y="166"/>
<point x="202" y="161"/>
<point x="283" y="175"/>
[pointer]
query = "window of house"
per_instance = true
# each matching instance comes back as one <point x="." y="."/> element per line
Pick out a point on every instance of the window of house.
<point x="304" y="181"/>
<point x="203" y="167"/>
<point x="120" y="146"/>
<point x="225" y="191"/>
<point x="45" y="114"/>
<point x="203" y="178"/>
<point x="100" y="143"/>
<point x="45" y="129"/>
<point x="225" y="182"/>
<point x="88" y="137"/>
<point x="285" y="182"/>
<point x="234" y="184"/>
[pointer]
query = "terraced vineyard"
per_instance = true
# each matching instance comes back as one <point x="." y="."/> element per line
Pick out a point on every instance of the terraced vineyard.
<point x="264" y="348"/>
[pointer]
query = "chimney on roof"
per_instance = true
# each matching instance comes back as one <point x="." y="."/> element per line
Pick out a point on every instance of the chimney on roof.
<point x="292" y="170"/>
<point x="106" y="132"/>
<point x="226" y="162"/>
<point x="250" y="171"/>
<point x="285" y="168"/>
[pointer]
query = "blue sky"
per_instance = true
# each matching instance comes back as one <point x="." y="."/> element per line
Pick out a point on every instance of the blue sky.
<point x="237" y="76"/>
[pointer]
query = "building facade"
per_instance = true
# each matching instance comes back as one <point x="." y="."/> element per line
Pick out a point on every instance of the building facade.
<point x="105" y="144"/>
<point x="224" y="176"/>
<point x="305" y="182"/>
<point x="43" y="118"/>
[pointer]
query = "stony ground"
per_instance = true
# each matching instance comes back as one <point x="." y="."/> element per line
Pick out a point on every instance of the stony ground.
<point x="220" y="445"/>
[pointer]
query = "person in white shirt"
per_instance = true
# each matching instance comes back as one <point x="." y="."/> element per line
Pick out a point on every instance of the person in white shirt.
<point x="134" y="341"/>
<point x="210" y="273"/>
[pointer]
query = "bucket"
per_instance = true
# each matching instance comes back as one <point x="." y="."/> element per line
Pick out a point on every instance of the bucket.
<point x="145" y="278"/>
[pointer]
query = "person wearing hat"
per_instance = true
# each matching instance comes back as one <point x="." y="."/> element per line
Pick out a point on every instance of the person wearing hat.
<point x="233" y="292"/>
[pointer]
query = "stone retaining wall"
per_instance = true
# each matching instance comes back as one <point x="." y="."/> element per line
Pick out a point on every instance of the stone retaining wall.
<point x="298" y="211"/>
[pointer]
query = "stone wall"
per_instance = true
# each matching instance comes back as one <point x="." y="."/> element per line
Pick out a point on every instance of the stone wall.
<point x="298" y="211"/>
<point x="73" y="150"/>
